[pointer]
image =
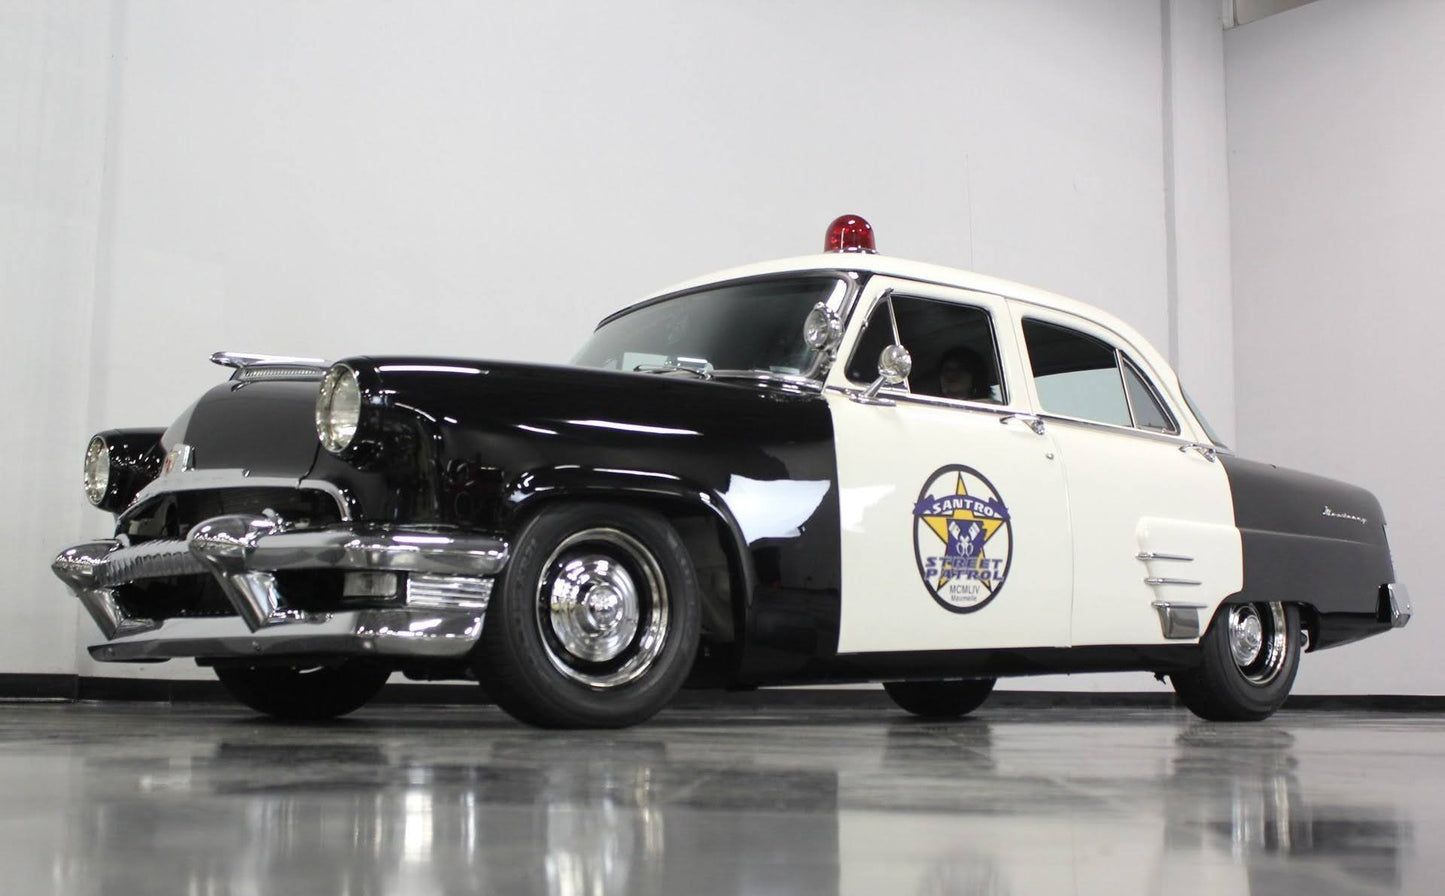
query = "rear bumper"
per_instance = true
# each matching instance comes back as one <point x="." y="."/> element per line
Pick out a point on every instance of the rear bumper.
<point x="1400" y="607"/>
<point x="449" y="581"/>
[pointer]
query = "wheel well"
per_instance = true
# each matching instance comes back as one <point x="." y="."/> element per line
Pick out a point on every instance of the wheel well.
<point x="710" y="547"/>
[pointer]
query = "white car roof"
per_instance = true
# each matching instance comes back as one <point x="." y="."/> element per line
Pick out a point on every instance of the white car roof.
<point x="904" y="269"/>
<point x="927" y="273"/>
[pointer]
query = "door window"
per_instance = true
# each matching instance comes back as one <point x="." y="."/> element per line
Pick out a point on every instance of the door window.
<point x="953" y="348"/>
<point x="1077" y="375"/>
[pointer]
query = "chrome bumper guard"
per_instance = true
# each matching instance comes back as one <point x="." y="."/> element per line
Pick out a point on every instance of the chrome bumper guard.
<point x="442" y="616"/>
<point x="1401" y="608"/>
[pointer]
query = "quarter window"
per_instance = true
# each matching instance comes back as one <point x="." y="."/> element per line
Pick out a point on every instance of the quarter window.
<point x="953" y="348"/>
<point x="1148" y="412"/>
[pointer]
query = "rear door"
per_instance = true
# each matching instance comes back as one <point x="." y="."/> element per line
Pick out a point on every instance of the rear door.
<point x="954" y="513"/>
<point x="1153" y="519"/>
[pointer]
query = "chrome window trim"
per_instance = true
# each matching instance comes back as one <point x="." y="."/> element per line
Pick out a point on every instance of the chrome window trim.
<point x="888" y="295"/>
<point x="207" y="480"/>
<point x="957" y="404"/>
<point x="1169" y="438"/>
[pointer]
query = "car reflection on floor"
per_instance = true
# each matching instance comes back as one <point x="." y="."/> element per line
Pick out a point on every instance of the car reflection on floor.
<point x="204" y="801"/>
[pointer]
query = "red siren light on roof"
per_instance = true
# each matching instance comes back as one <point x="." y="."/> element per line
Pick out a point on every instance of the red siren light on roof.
<point x="849" y="233"/>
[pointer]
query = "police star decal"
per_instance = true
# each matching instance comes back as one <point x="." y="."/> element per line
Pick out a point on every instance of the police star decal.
<point x="962" y="538"/>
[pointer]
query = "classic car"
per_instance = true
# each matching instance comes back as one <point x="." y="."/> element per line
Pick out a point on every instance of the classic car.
<point x="839" y="468"/>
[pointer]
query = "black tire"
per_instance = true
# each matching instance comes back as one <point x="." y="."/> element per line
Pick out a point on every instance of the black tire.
<point x="299" y="693"/>
<point x="594" y="623"/>
<point x="940" y="699"/>
<point x="1250" y="686"/>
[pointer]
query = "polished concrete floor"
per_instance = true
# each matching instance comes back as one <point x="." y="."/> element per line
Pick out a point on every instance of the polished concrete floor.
<point x="207" y="800"/>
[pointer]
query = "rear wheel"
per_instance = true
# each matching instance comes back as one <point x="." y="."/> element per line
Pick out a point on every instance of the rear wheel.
<point x="940" y="699"/>
<point x="1249" y="659"/>
<point x="301" y="693"/>
<point x="595" y="622"/>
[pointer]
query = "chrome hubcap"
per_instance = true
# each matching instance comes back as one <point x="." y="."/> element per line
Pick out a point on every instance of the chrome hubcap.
<point x="602" y="606"/>
<point x="1258" y="641"/>
<point x="593" y="606"/>
<point x="1246" y="635"/>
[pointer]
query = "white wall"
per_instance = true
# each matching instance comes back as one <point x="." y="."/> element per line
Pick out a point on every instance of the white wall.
<point x="53" y="93"/>
<point x="491" y="178"/>
<point x="1336" y="125"/>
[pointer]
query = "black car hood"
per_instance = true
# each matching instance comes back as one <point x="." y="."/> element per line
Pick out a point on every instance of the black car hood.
<point x="266" y="428"/>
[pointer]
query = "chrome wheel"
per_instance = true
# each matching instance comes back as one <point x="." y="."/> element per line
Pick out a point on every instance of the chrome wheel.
<point x="602" y="608"/>
<point x="1258" y="641"/>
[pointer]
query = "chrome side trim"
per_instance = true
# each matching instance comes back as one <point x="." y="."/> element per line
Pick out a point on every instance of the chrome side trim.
<point x="1156" y="555"/>
<point x="958" y="404"/>
<point x="1160" y="580"/>
<point x="1178" y="621"/>
<point x="391" y="632"/>
<point x="1401" y="607"/>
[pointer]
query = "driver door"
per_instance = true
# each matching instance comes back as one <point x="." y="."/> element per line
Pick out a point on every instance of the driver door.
<point x="954" y="516"/>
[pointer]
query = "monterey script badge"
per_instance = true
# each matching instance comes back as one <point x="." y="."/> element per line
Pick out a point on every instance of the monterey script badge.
<point x="962" y="538"/>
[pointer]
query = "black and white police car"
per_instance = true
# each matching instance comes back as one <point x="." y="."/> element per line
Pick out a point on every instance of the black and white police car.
<point x="836" y="468"/>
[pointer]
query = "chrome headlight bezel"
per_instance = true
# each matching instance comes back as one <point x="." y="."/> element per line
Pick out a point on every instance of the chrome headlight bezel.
<point x="338" y="408"/>
<point x="97" y="471"/>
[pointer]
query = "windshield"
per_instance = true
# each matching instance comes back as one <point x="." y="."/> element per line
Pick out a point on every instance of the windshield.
<point x="755" y="326"/>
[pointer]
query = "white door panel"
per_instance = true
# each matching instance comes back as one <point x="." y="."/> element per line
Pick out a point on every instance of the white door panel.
<point x="955" y="526"/>
<point x="897" y="591"/>
<point x="1133" y="492"/>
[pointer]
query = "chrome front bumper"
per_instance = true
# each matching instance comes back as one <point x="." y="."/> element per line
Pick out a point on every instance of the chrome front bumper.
<point x="441" y="617"/>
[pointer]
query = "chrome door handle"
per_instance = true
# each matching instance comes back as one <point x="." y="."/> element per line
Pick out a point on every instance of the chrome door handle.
<point x="1034" y="423"/>
<point x="1206" y="450"/>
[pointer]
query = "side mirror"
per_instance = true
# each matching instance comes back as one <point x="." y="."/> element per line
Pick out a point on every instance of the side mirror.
<point x="894" y="365"/>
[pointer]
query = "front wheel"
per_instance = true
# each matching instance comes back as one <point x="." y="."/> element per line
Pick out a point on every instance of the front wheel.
<point x="595" y="622"/>
<point x="304" y="694"/>
<point x="940" y="699"/>
<point x="1249" y="658"/>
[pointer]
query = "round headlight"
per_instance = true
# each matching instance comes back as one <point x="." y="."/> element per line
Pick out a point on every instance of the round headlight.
<point x="338" y="408"/>
<point x="97" y="470"/>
